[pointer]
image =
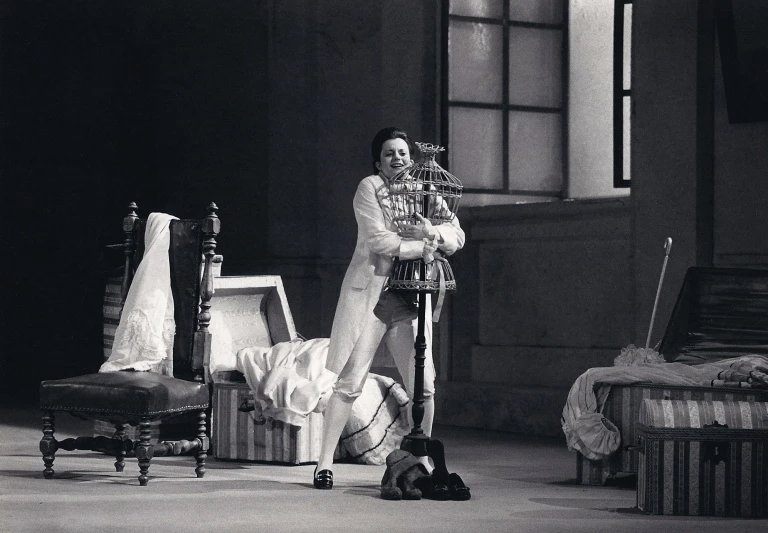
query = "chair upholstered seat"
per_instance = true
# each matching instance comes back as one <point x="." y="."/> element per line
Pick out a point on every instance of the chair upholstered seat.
<point x="124" y="395"/>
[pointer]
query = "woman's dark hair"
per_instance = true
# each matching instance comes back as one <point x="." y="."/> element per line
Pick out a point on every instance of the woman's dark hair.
<point x="383" y="136"/>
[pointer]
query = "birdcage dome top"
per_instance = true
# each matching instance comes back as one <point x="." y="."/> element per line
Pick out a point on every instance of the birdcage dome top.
<point x="425" y="188"/>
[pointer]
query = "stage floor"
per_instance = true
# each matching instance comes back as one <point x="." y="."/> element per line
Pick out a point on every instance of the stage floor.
<point x="518" y="485"/>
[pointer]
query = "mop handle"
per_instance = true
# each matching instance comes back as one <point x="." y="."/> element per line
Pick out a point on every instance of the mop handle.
<point x="667" y="249"/>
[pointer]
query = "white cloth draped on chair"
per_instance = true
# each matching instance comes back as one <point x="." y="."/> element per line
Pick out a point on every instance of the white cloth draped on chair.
<point x="144" y="336"/>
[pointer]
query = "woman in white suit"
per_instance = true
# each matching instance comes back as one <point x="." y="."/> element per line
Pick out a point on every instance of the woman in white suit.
<point x="367" y="312"/>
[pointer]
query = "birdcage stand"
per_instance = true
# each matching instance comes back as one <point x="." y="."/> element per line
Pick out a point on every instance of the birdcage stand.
<point x="416" y="442"/>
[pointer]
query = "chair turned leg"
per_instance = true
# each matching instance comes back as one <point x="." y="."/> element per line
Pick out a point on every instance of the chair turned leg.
<point x="202" y="436"/>
<point x="144" y="451"/>
<point x="120" y="454"/>
<point x="48" y="444"/>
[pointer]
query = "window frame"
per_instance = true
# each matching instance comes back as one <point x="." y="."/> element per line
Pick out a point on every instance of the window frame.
<point x="505" y="107"/>
<point x="619" y="93"/>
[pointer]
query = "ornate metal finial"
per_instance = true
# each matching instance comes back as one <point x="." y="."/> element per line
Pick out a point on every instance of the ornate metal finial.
<point x="212" y="208"/>
<point x="430" y="151"/>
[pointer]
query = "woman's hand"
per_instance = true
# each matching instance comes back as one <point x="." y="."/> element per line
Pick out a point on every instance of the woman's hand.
<point x="429" y="252"/>
<point x="423" y="230"/>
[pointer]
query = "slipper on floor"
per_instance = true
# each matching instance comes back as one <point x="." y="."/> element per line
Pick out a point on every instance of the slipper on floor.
<point x="459" y="491"/>
<point x="433" y="488"/>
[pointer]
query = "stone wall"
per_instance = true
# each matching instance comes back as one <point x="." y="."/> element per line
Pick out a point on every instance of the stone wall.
<point x="545" y="291"/>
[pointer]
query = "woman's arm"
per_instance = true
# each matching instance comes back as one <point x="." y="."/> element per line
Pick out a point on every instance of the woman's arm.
<point x="373" y="227"/>
<point x="449" y="235"/>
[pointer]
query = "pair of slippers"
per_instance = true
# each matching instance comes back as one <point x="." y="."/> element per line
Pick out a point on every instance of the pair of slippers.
<point x="406" y="479"/>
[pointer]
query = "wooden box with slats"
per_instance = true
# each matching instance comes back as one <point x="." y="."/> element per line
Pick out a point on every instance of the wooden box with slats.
<point x="242" y="435"/>
<point x="703" y="458"/>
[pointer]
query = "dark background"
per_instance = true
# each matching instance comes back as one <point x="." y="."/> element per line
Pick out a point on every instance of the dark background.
<point x="103" y="103"/>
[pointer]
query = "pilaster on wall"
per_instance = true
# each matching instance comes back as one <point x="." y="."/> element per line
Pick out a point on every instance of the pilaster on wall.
<point x="671" y="172"/>
<point x="338" y="72"/>
<point x="545" y="292"/>
<point x="740" y="162"/>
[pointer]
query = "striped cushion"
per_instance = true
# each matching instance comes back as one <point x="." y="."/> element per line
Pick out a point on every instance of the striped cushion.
<point x="378" y="422"/>
<point x="698" y="413"/>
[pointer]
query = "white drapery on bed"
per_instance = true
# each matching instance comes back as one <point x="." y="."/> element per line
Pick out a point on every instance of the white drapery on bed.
<point x="144" y="336"/>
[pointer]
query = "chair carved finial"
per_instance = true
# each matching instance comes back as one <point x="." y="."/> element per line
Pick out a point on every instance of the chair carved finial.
<point x="211" y="226"/>
<point x="129" y="247"/>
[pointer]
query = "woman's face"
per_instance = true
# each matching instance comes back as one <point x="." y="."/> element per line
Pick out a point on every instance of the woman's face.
<point x="395" y="156"/>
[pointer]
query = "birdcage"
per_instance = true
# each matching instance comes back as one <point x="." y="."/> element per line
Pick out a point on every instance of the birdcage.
<point x="434" y="193"/>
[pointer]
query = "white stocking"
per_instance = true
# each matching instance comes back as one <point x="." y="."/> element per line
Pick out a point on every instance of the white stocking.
<point x="334" y="419"/>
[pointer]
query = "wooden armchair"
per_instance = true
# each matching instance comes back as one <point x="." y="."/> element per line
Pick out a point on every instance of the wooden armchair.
<point x="129" y="398"/>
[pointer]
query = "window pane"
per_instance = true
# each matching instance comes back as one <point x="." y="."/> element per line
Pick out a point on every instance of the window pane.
<point x="627" y="104"/>
<point x="549" y="11"/>
<point x="535" y="59"/>
<point x="474" y="147"/>
<point x="627" y="45"/>
<point x="474" y="62"/>
<point x="476" y="8"/>
<point x="535" y="151"/>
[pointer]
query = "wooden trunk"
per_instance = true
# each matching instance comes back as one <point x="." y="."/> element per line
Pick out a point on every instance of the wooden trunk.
<point x="239" y="434"/>
<point x="692" y="465"/>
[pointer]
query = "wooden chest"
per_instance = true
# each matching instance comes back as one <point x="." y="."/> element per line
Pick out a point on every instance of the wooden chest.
<point x="706" y="458"/>
<point x="254" y="311"/>
<point x="239" y="434"/>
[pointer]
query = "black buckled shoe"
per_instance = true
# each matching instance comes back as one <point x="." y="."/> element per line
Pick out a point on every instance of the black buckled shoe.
<point x="323" y="479"/>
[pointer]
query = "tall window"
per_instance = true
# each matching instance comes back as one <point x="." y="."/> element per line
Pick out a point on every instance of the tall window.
<point x="622" y="91"/>
<point x="505" y="96"/>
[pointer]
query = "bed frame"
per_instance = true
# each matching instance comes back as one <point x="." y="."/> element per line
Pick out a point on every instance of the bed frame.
<point x="720" y="313"/>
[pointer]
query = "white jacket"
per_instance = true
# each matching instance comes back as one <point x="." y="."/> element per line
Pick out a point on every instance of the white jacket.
<point x="378" y="244"/>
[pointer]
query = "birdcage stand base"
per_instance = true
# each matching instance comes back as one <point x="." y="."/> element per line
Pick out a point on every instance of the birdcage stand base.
<point x="418" y="445"/>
